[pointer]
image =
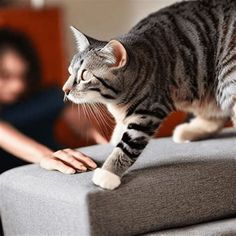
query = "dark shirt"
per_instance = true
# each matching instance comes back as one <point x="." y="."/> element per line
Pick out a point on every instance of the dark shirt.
<point x="35" y="118"/>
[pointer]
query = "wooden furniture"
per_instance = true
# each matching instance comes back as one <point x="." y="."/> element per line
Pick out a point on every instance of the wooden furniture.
<point x="45" y="29"/>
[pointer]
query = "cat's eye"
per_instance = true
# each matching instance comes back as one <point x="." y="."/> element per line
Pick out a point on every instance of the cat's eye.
<point x="83" y="75"/>
<point x="81" y="62"/>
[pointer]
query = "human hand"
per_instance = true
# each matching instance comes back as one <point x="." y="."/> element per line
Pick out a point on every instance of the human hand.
<point x="67" y="161"/>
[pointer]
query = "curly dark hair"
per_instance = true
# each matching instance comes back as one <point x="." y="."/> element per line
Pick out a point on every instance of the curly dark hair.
<point x="11" y="39"/>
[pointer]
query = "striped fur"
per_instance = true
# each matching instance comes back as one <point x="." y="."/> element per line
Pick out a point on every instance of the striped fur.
<point x="182" y="57"/>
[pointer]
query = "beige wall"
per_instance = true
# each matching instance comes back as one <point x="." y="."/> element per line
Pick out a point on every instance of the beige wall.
<point x="104" y="19"/>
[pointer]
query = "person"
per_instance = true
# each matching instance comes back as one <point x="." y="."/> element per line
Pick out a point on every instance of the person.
<point x="28" y="113"/>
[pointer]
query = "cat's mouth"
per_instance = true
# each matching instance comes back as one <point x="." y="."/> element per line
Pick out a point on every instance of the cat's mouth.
<point x="69" y="98"/>
<point x="65" y="99"/>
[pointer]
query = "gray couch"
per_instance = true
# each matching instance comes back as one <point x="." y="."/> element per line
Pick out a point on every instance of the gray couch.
<point x="172" y="190"/>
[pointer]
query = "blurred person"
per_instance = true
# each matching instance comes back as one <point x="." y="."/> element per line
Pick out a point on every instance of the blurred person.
<point x="28" y="113"/>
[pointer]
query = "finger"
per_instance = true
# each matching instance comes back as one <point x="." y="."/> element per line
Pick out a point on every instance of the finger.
<point x="82" y="157"/>
<point x="53" y="164"/>
<point x="70" y="159"/>
<point x="60" y="166"/>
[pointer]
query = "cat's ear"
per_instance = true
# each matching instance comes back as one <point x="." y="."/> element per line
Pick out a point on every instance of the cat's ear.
<point x="81" y="39"/>
<point x="117" y="53"/>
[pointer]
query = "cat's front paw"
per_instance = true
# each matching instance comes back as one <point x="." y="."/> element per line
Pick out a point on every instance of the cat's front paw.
<point x="105" y="179"/>
<point x="183" y="134"/>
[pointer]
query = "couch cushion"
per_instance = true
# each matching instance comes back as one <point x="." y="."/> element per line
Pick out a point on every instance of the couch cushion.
<point x="225" y="227"/>
<point x="171" y="185"/>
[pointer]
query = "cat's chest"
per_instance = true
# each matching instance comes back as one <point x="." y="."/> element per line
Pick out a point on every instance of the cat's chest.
<point x="119" y="113"/>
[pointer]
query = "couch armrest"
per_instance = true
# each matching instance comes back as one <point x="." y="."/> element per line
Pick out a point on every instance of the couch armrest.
<point x="171" y="185"/>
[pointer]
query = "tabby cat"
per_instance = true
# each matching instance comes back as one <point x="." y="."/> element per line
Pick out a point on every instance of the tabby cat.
<point x="182" y="57"/>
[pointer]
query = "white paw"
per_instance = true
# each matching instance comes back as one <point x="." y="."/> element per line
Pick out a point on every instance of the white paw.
<point x="106" y="179"/>
<point x="182" y="134"/>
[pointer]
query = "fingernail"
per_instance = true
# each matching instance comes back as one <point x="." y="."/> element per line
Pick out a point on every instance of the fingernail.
<point x="94" y="165"/>
<point x="70" y="171"/>
<point x="83" y="168"/>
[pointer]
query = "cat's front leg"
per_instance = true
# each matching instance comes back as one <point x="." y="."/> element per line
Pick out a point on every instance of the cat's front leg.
<point x="118" y="132"/>
<point x="133" y="141"/>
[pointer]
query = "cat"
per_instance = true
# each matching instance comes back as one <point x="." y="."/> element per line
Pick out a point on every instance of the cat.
<point x="182" y="57"/>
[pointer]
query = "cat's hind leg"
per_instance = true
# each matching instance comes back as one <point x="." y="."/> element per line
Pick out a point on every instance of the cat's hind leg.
<point x="198" y="128"/>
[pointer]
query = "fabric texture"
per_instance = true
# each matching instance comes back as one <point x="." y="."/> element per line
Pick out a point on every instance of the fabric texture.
<point x="225" y="227"/>
<point x="171" y="185"/>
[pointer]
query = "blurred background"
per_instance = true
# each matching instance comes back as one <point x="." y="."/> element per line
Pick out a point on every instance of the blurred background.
<point x="101" y="18"/>
<point x="46" y="24"/>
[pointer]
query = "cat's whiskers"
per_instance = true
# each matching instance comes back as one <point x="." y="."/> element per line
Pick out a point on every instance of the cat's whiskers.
<point x="79" y="109"/>
<point x="85" y="115"/>
<point x="104" y="118"/>
<point x="104" y="113"/>
<point x="98" y="122"/>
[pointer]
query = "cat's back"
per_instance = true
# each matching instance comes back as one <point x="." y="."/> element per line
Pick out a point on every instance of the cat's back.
<point x="188" y="10"/>
<point x="193" y="42"/>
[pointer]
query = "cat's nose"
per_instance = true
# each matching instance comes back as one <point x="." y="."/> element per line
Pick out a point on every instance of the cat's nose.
<point x="68" y="86"/>
<point x="66" y="90"/>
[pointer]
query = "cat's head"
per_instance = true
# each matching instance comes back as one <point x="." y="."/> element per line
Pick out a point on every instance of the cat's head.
<point x="94" y="71"/>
